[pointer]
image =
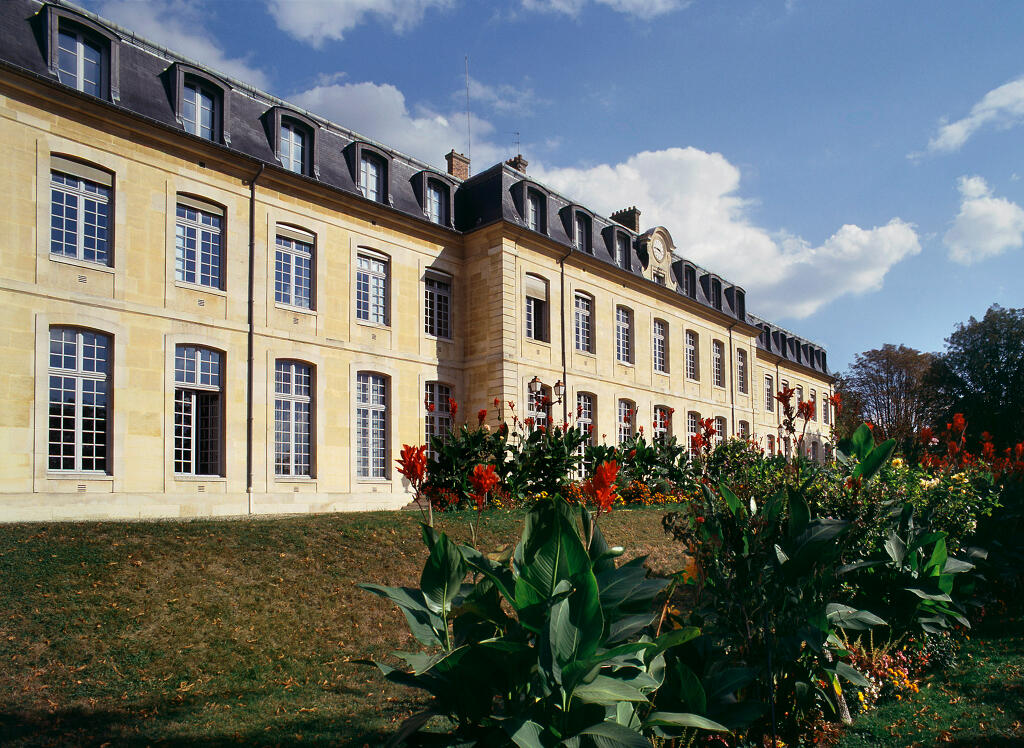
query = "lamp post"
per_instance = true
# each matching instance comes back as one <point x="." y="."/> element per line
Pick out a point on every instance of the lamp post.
<point x="536" y="387"/>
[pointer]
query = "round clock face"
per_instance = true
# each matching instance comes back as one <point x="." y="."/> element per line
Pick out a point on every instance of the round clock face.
<point x="659" y="250"/>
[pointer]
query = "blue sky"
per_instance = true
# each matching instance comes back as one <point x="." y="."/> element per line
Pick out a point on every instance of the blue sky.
<point x="855" y="165"/>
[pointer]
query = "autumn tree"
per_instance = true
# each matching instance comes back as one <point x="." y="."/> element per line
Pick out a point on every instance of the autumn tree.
<point x="981" y="374"/>
<point x="889" y="387"/>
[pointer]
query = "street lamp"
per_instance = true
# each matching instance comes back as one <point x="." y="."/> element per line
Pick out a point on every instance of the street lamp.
<point x="558" y="389"/>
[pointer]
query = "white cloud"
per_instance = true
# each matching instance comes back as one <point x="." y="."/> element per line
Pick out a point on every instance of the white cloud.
<point x="380" y="112"/>
<point x="502" y="98"/>
<point x="1002" y="107"/>
<point x="317" y="21"/>
<point x="694" y="194"/>
<point x="644" y="9"/>
<point x="178" y="25"/>
<point x="985" y="226"/>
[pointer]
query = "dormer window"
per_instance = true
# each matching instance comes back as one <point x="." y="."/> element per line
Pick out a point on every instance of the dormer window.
<point x="371" y="178"/>
<point x="690" y="281"/>
<point x="581" y="233"/>
<point x="534" y="211"/>
<point x="622" y="251"/>
<point x="437" y="202"/>
<point x="716" y="293"/>
<point x="199" y="109"/>
<point x="294" y="146"/>
<point x="80" y="60"/>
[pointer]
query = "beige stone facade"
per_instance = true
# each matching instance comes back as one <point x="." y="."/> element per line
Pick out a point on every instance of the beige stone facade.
<point x="136" y="301"/>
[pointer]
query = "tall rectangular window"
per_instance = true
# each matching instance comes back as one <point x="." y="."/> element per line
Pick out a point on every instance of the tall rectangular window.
<point x="536" y="308"/>
<point x="293" y="147"/>
<point x="197" y="411"/>
<point x="826" y="409"/>
<point x="721" y="430"/>
<point x="692" y="372"/>
<point x="537" y="405"/>
<point x="659" y="346"/>
<point x="198" y="247"/>
<point x="438" y="420"/>
<point x="293" y="272"/>
<point x="741" y="371"/>
<point x="585" y="423"/>
<point x="622" y="251"/>
<point x="372" y="289"/>
<point x="581" y="233"/>
<point x="744" y="430"/>
<point x="80" y="214"/>
<point x="771" y="444"/>
<point x="814" y="405"/>
<point x="436" y="203"/>
<point x="437" y="305"/>
<point x="717" y="364"/>
<point x="692" y="429"/>
<point x="769" y="393"/>
<point x="584" y="323"/>
<point x="79" y="418"/>
<point x="623" y="335"/>
<point x="799" y="394"/>
<point x="370" y="178"/>
<point x="198" y="109"/>
<point x="371" y="426"/>
<point x="534" y="216"/>
<point x="662" y="422"/>
<point x="80" y="62"/>
<point x="626" y="413"/>
<point x="293" y="398"/>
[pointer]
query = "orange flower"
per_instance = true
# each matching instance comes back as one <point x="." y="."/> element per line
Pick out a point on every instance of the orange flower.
<point x="483" y="479"/>
<point x="413" y="464"/>
<point x="453" y="407"/>
<point x="601" y="487"/>
<point x="481" y="416"/>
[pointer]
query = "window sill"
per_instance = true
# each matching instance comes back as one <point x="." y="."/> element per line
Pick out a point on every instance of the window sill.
<point x="200" y="478"/>
<point x="375" y="325"/>
<point x="537" y="341"/>
<point x="74" y="261"/>
<point x="79" y="476"/>
<point x="663" y="373"/>
<point x="630" y="364"/>
<point x="588" y="354"/>
<point x="438" y="338"/>
<point x="374" y="481"/>
<point x="203" y="289"/>
<point x="294" y="309"/>
<point x="295" y="479"/>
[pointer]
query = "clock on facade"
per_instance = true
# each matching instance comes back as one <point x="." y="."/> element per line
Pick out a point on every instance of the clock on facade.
<point x="659" y="250"/>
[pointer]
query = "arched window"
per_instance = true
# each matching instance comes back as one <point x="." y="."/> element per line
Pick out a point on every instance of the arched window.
<point x="692" y="429"/>
<point x="198" y="409"/>
<point x="80" y="203"/>
<point x="79" y="413"/>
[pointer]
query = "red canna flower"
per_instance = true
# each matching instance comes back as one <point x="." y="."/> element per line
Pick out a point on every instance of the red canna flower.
<point x="959" y="422"/>
<point x="542" y="428"/>
<point x="528" y="422"/>
<point x="926" y="435"/>
<point x="511" y="405"/>
<point x="430" y="407"/>
<point x="805" y="410"/>
<point x="483" y="479"/>
<point x="601" y="487"/>
<point x="481" y="416"/>
<point x="413" y="464"/>
<point x="785" y="395"/>
<point x="988" y="451"/>
<point x="671" y="411"/>
<point x="497" y="402"/>
<point x="986" y="437"/>
<point x="453" y="407"/>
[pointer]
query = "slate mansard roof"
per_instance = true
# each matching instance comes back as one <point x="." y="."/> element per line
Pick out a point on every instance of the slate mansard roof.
<point x="146" y="77"/>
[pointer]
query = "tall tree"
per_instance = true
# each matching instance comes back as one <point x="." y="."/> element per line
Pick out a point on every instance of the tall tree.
<point x="888" y="385"/>
<point x="981" y="375"/>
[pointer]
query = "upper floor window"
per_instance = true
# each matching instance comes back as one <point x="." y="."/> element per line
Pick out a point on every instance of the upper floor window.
<point x="769" y="394"/>
<point x="717" y="366"/>
<point x="536" y="308"/>
<point x="692" y="369"/>
<point x="659" y="346"/>
<point x="437" y="304"/>
<point x="293" y="399"/>
<point x="438" y="418"/>
<point x="371" y="178"/>
<point x="716" y="293"/>
<point x="662" y="422"/>
<point x="720" y="430"/>
<point x="82" y="60"/>
<point x="623" y="335"/>
<point x="741" y="371"/>
<point x="690" y="281"/>
<point x="799" y="394"/>
<point x="584" y="323"/>
<point x="814" y="405"/>
<point x="372" y="288"/>
<point x="627" y="411"/>
<point x="199" y="108"/>
<point x="437" y="202"/>
<point x="826" y="409"/>
<point x="622" y="251"/>
<point x="744" y="430"/>
<point x="295" y="143"/>
<point x="371" y="425"/>
<point x="80" y="197"/>
<point x="79" y="417"/>
<point x="197" y="411"/>
<point x="535" y="210"/>
<point x="293" y="268"/>
<point x="581" y="233"/>
<point x="198" y="243"/>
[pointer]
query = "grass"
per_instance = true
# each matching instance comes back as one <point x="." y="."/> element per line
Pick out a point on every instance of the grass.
<point x="217" y="632"/>
<point x="978" y="703"/>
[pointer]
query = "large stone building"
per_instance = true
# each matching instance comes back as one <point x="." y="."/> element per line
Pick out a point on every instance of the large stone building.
<point x="215" y="303"/>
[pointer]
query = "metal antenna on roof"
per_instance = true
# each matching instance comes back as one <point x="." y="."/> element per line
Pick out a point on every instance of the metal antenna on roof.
<point x="519" y="145"/>
<point x="469" y="134"/>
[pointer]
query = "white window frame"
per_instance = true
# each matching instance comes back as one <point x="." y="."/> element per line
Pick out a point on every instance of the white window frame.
<point x="659" y="345"/>
<point x="88" y="201"/>
<point x="662" y="422"/>
<point x="692" y="360"/>
<point x="373" y="285"/>
<point x="536" y="308"/>
<point x="198" y="395"/>
<point x="294" y="146"/>
<point x="535" y="407"/>
<point x="371" y="177"/>
<point x="585" y="410"/>
<point x="206" y="231"/>
<point x="626" y="420"/>
<point x="814" y="401"/>
<point x="722" y="428"/>
<point x="436" y="203"/>
<point x="533" y="211"/>
<point x="769" y="394"/>
<point x="293" y="418"/>
<point x="583" y="316"/>
<point x="580" y="232"/>
<point x="622" y="251"/>
<point x="741" y="371"/>
<point x="195" y="92"/>
<point x="623" y="335"/>
<point x="294" y="269"/>
<point x="437" y="305"/>
<point x="83" y="40"/>
<point x="439" y="421"/>
<point x="371" y="426"/>
<point x="718" y="363"/>
<point x="692" y="429"/>
<point x="744" y="429"/>
<point x="87" y="378"/>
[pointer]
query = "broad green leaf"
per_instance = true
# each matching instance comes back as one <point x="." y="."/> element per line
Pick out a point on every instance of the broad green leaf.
<point x="669" y="639"/>
<point x="442" y="575"/>
<point x="614" y="735"/>
<point x="852" y="674"/>
<point x="924" y="595"/>
<point x="956" y="566"/>
<point x="690" y="689"/>
<point x="678" y="719"/>
<point x="607" y="691"/>
<point x="863" y="441"/>
<point x="576" y="623"/>
<point x="416" y="613"/>
<point x="799" y="514"/>
<point x="875" y="460"/>
<point x="849" y="618"/>
<point x="525" y="733"/>
<point x="896" y="549"/>
<point x="731" y="500"/>
<point x="727" y="682"/>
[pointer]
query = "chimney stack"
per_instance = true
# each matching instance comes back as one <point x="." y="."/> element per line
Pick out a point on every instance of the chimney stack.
<point x="628" y="217"/>
<point x="518" y="163"/>
<point x="458" y="164"/>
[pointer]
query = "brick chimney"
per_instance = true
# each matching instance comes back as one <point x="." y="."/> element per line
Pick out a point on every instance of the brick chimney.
<point x="518" y="163"/>
<point x="458" y="165"/>
<point x="628" y="217"/>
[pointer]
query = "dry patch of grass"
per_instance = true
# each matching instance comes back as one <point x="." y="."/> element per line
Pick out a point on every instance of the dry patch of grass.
<point x="222" y="631"/>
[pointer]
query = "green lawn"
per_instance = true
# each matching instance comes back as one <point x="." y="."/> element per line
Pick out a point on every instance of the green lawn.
<point x="221" y="631"/>
<point x="979" y="703"/>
